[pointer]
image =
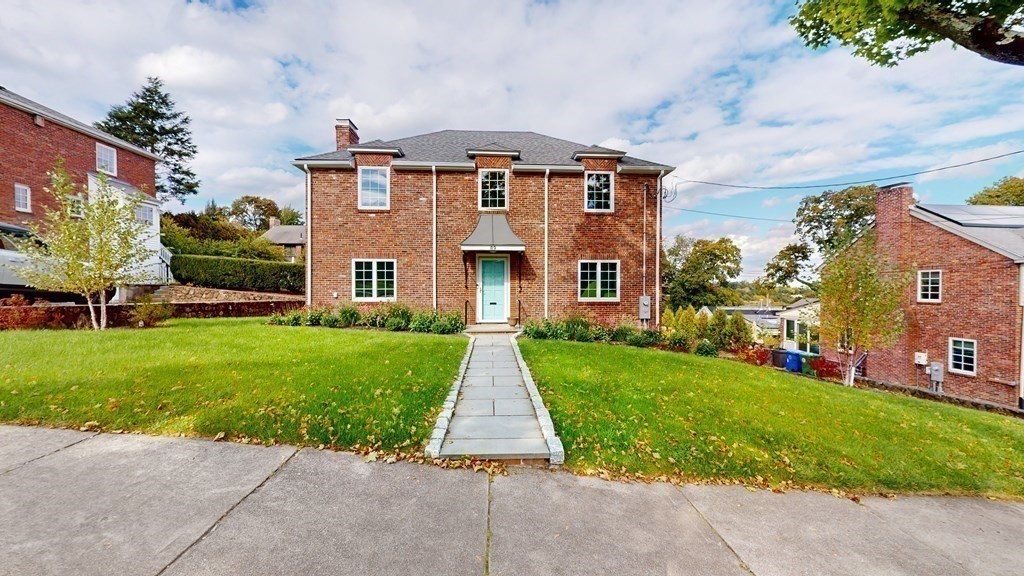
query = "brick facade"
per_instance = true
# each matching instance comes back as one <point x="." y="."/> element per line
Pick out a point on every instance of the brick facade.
<point x="340" y="232"/>
<point x="29" y="152"/>
<point x="980" y="301"/>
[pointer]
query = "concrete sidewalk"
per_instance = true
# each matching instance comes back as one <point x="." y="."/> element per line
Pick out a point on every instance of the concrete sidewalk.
<point x="81" y="503"/>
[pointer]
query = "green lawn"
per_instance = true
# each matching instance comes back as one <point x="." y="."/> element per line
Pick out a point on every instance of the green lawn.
<point x="239" y="377"/>
<point x="649" y="412"/>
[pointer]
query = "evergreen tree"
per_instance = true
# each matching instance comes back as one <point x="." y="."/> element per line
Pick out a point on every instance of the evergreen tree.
<point x="718" y="329"/>
<point x="740" y="333"/>
<point x="686" y="323"/>
<point x="150" y="120"/>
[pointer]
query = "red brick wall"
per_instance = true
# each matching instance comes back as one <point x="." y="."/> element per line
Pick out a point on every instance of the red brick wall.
<point x="979" y="302"/>
<point x="340" y="232"/>
<point x="28" y="152"/>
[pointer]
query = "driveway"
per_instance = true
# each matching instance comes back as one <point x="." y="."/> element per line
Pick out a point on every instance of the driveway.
<point x="81" y="503"/>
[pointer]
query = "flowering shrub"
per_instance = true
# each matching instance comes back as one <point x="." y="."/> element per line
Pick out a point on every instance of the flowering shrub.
<point x="823" y="368"/>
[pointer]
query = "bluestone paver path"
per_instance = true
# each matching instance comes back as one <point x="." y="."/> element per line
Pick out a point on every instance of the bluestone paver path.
<point x="99" y="504"/>
<point x="494" y="417"/>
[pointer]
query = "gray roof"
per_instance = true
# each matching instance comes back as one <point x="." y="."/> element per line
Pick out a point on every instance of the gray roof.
<point x="451" y="146"/>
<point x="19" y="101"/>
<point x="493" y="232"/>
<point x="286" y="235"/>
<point x="998" y="228"/>
<point x="801" y="303"/>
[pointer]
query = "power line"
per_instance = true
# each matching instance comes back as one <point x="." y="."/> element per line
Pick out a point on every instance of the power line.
<point x="727" y="215"/>
<point x="855" y="182"/>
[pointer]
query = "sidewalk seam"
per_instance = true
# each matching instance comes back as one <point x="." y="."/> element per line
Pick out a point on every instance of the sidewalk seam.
<point x="433" y="447"/>
<point x="229" y="511"/>
<point x="27" y="462"/>
<point x="742" y="562"/>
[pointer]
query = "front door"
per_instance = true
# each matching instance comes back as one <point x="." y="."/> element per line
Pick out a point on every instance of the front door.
<point x="492" y="290"/>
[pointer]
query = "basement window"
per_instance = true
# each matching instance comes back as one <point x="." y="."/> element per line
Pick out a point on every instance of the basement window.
<point x="929" y="286"/>
<point x="963" y="356"/>
<point x="373" y="280"/>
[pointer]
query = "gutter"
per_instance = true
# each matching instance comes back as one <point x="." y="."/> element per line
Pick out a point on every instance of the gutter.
<point x="309" y="237"/>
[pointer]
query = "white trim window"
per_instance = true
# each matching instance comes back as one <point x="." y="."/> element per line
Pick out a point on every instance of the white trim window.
<point x="599" y="192"/>
<point x="492" y="186"/>
<point x="963" y="356"/>
<point x="106" y="159"/>
<point x="373" y="280"/>
<point x="76" y="206"/>
<point x="929" y="286"/>
<point x="144" y="214"/>
<point x="22" y="198"/>
<point x="598" y="281"/>
<point x="374" y="188"/>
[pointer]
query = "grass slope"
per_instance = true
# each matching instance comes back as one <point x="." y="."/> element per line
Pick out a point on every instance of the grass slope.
<point x="649" y="412"/>
<point x="299" y="385"/>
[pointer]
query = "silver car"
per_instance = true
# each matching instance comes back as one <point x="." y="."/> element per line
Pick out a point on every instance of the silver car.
<point x="9" y="257"/>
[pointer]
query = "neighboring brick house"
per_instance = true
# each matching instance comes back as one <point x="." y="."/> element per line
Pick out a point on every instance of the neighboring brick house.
<point x="503" y="227"/>
<point x="964" y="308"/>
<point x="33" y="137"/>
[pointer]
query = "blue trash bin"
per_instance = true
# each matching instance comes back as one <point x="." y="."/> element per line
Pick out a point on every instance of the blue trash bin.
<point x="794" y="362"/>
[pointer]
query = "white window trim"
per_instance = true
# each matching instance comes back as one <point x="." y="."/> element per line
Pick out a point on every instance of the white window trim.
<point x="949" y="359"/>
<point x="374" y="298"/>
<point x="81" y="199"/>
<point x="920" y="275"/>
<point x="480" y="190"/>
<point x="99" y="147"/>
<point x="28" y="198"/>
<point x="612" y="192"/>
<point x="618" y="280"/>
<point x="359" y="188"/>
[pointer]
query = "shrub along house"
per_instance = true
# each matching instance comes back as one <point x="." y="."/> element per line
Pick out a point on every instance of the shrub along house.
<point x="502" y="227"/>
<point x="33" y="137"/>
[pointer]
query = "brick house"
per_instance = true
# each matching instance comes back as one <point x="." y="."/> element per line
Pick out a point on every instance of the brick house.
<point x="502" y="227"/>
<point x="964" y="307"/>
<point x="33" y="137"/>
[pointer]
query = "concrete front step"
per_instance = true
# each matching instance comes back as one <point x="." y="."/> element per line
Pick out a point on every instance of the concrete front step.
<point x="497" y="448"/>
<point x="491" y="329"/>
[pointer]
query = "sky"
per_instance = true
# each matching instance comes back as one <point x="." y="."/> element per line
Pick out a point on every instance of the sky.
<point x="723" y="90"/>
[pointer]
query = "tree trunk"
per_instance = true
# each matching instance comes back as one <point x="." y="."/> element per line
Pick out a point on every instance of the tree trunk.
<point x="851" y="370"/>
<point x="103" y="309"/>
<point x="982" y="35"/>
<point x="92" y="312"/>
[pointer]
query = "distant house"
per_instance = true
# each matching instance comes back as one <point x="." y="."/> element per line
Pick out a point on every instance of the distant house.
<point x="965" y="306"/>
<point x="290" y="237"/>
<point x="796" y="326"/>
<point x="33" y="137"/>
<point x="763" y="320"/>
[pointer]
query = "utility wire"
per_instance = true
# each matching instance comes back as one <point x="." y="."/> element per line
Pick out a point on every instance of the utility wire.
<point x="855" y="182"/>
<point x="727" y="215"/>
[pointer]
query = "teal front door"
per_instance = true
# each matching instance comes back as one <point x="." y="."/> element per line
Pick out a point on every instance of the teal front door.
<point x="492" y="290"/>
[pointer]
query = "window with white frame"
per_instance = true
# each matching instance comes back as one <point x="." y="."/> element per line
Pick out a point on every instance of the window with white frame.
<point x="22" y="198"/>
<point x="963" y="356"/>
<point x="929" y="286"/>
<point x="106" y="159"/>
<point x="599" y="280"/>
<point x="493" y="186"/>
<point x="76" y="206"/>
<point x="144" y="214"/>
<point x="374" y="187"/>
<point x="373" y="280"/>
<point x="600" y="192"/>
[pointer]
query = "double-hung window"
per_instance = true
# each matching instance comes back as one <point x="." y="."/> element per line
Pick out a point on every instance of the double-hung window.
<point x="374" y="188"/>
<point x="493" y="185"/>
<point x="76" y="206"/>
<point x="929" y="286"/>
<point x="963" y="356"/>
<point x="373" y="280"/>
<point x="22" y="198"/>
<point x="144" y="214"/>
<point x="600" y="192"/>
<point x="106" y="159"/>
<point x="599" y="281"/>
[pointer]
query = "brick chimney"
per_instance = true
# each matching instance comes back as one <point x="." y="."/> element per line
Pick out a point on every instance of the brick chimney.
<point x="274" y="221"/>
<point x="346" y="133"/>
<point x="892" y="218"/>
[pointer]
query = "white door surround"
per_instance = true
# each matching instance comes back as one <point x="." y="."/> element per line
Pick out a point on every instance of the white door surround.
<point x="504" y="258"/>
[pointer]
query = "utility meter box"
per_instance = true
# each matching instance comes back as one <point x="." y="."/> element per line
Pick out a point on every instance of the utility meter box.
<point x="935" y="372"/>
<point x="921" y="358"/>
<point x="645" y="307"/>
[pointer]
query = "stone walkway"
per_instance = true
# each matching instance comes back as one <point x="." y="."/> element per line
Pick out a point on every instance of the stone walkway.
<point x="126" y="505"/>
<point x="494" y="416"/>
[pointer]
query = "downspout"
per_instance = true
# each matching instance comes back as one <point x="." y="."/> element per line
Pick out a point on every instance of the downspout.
<point x="646" y="191"/>
<point x="433" y="173"/>
<point x="547" y="175"/>
<point x="657" y="263"/>
<point x="309" y="237"/>
<point x="1020" y="326"/>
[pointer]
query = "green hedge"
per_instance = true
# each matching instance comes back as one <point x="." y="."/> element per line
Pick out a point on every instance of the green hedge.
<point x="238" y="273"/>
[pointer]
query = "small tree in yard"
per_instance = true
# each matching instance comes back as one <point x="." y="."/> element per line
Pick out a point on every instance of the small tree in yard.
<point x="740" y="332"/>
<point x="90" y="243"/>
<point x="861" y="302"/>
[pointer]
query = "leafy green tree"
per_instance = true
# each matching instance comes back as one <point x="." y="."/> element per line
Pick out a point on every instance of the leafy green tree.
<point x="687" y="324"/>
<point x="719" y="329"/>
<point x="825" y="223"/>
<point x="698" y="272"/>
<point x="291" y="217"/>
<point x="254" y="212"/>
<point x="1007" y="192"/>
<point x="703" y="325"/>
<point x="150" y="120"/>
<point x="91" y="242"/>
<point x="861" y="302"/>
<point x="887" y="31"/>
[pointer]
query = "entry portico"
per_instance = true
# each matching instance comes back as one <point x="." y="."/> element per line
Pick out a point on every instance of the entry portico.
<point x="494" y="245"/>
